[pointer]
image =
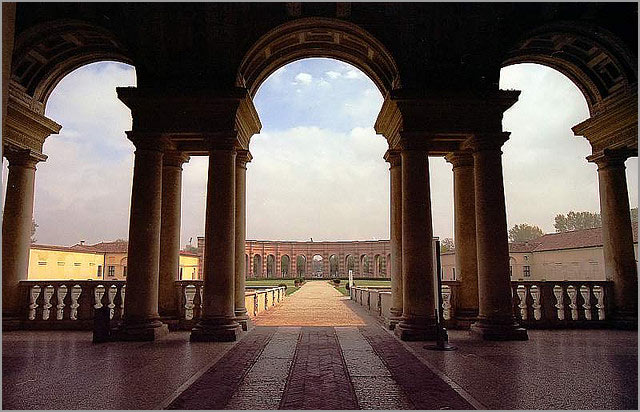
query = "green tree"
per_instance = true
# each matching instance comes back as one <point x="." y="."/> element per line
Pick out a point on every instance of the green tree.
<point x="190" y="249"/>
<point x="446" y="245"/>
<point x="524" y="232"/>
<point x="34" y="226"/>
<point x="634" y="215"/>
<point x="577" y="221"/>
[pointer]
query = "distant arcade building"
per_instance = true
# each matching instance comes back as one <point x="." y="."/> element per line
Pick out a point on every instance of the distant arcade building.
<point x="290" y="259"/>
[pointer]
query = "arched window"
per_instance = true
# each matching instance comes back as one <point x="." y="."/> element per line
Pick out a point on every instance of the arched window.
<point x="301" y="265"/>
<point x="257" y="266"/>
<point x="284" y="266"/>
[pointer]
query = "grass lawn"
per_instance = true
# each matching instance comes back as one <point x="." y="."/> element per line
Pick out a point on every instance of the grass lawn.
<point x="372" y="283"/>
<point x="273" y="282"/>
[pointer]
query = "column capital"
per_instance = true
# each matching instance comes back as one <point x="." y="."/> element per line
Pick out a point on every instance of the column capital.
<point x="460" y="158"/>
<point x="243" y="157"/>
<point x="150" y="141"/>
<point x="174" y="158"/>
<point x="393" y="158"/>
<point x="478" y="142"/>
<point x="23" y="157"/>
<point x="612" y="157"/>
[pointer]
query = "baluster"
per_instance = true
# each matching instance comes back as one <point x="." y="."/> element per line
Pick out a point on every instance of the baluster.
<point x="255" y="304"/>
<point x="189" y="294"/>
<point x="117" y="314"/>
<point x="62" y="293"/>
<point x="113" y="291"/>
<point x="558" y="292"/>
<point x="446" y="302"/>
<point x="598" y="292"/>
<point x="122" y="292"/>
<point x="521" y="290"/>
<point x="535" y="295"/>
<point x="200" y="307"/>
<point x="573" y="295"/>
<point x="585" y="292"/>
<point x="76" y="291"/>
<point x="98" y="293"/>
<point x="46" y="306"/>
<point x="34" y="293"/>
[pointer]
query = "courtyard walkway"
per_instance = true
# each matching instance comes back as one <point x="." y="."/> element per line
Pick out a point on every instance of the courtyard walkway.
<point x="319" y="350"/>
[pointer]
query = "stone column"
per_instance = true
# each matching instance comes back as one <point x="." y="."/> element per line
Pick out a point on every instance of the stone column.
<point x="617" y="236"/>
<point x="141" y="318"/>
<point x="418" y="312"/>
<point x="495" y="317"/>
<point x="16" y="228"/>
<point x="395" y="168"/>
<point x="218" y="322"/>
<point x="168" y="297"/>
<point x="242" y="158"/>
<point x="466" y="262"/>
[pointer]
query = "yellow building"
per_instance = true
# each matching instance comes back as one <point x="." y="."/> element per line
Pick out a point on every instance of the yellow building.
<point x="104" y="260"/>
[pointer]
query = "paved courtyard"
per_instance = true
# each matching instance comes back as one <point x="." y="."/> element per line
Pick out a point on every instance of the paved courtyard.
<point x="319" y="350"/>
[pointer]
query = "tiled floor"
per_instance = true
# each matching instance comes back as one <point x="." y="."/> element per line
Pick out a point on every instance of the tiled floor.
<point x="318" y="350"/>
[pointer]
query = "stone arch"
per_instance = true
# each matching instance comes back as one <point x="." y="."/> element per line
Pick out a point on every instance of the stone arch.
<point x="301" y="265"/>
<point x="350" y="264"/>
<point x="318" y="37"/>
<point x="593" y="58"/>
<point x="47" y="52"/>
<point x="257" y="266"/>
<point x="365" y="265"/>
<point x="333" y="266"/>
<point x="285" y="265"/>
<point x="246" y="265"/>
<point x="388" y="265"/>
<point x="512" y="265"/>
<point x="377" y="268"/>
<point x="271" y="266"/>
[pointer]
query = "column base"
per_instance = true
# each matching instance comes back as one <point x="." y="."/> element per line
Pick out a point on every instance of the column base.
<point x="463" y="319"/>
<point x="416" y="329"/>
<point x="10" y="323"/>
<point x="620" y="320"/>
<point x="243" y="319"/>
<point x="172" y="321"/>
<point x="395" y="317"/>
<point x="498" y="331"/>
<point x="216" y="330"/>
<point x="140" y="332"/>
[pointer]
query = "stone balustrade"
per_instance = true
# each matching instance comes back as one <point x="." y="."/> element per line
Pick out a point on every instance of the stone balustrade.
<point x="70" y="304"/>
<point x="566" y="304"/>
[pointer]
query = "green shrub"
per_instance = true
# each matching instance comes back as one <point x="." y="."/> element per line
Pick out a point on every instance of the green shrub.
<point x="283" y="284"/>
<point x="336" y="281"/>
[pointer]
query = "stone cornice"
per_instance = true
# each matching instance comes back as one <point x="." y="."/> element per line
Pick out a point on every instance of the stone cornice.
<point x="460" y="159"/>
<point x="192" y="120"/>
<point x="150" y="141"/>
<point x="174" y="158"/>
<point x="479" y="142"/>
<point x="26" y="128"/>
<point x="243" y="157"/>
<point x="393" y="158"/>
<point x="22" y="157"/>
<point x="612" y="157"/>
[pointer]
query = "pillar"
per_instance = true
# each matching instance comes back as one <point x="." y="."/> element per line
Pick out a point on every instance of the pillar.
<point x="141" y="319"/>
<point x="495" y="315"/>
<point x="242" y="158"/>
<point x="16" y="228"/>
<point x="393" y="157"/>
<point x="466" y="263"/>
<point x="168" y="297"/>
<point x="617" y="236"/>
<point x="418" y="312"/>
<point x="218" y="321"/>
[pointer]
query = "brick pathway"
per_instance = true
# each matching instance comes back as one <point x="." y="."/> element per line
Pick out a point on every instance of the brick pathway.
<point x="316" y="303"/>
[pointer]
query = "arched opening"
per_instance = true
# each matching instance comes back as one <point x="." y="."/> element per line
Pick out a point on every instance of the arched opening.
<point x="333" y="266"/>
<point x="350" y="264"/>
<point x="317" y="266"/>
<point x="364" y="264"/>
<point x="257" y="266"/>
<point x="246" y="265"/>
<point x="271" y="266"/>
<point x="301" y="265"/>
<point x="284" y="266"/>
<point x="388" y="265"/>
<point x="377" y="266"/>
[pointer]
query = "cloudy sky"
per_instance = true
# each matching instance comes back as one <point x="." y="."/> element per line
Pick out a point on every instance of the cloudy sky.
<point x="318" y="169"/>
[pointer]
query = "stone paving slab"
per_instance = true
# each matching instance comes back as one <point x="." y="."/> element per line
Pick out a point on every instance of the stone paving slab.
<point x="216" y="386"/>
<point x="424" y="388"/>
<point x="319" y="378"/>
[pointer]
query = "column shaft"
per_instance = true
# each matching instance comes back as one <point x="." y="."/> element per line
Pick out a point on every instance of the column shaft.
<point x="218" y="318"/>
<point x="141" y="318"/>
<point x="617" y="238"/>
<point x="168" y="296"/>
<point x="495" y="317"/>
<point x="16" y="229"/>
<point x="418" y="312"/>
<point x="466" y="263"/>
<point x="242" y="158"/>
<point x="395" y="169"/>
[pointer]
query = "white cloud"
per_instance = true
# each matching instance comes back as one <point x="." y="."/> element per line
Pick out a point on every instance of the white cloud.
<point x="303" y="78"/>
<point x="333" y="74"/>
<point x="354" y="74"/>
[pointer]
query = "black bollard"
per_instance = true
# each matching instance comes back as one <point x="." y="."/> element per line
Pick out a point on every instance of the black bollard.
<point x="101" y="325"/>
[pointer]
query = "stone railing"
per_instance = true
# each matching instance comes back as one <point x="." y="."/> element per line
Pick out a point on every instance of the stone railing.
<point x="69" y="304"/>
<point x="566" y="304"/>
